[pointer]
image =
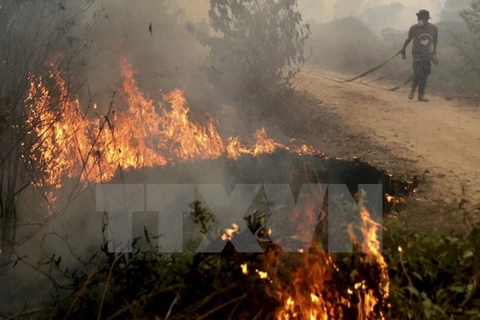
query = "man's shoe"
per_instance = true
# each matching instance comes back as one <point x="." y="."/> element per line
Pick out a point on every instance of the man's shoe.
<point x="411" y="94"/>
<point x="423" y="99"/>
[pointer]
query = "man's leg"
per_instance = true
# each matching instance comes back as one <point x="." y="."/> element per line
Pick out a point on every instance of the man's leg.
<point x="415" y="82"/>
<point x="417" y="69"/>
<point x="422" y="85"/>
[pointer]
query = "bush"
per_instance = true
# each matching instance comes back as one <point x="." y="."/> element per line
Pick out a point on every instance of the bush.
<point x="433" y="276"/>
<point x="471" y="16"/>
<point x="258" y="47"/>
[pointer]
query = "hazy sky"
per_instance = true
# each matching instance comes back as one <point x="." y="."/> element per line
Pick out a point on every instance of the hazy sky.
<point x="326" y="10"/>
<point x="198" y="8"/>
<point x="337" y="8"/>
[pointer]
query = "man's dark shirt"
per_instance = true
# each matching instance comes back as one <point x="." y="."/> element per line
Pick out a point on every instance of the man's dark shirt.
<point x="423" y="38"/>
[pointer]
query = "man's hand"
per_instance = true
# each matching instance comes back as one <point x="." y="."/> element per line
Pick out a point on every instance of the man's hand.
<point x="404" y="54"/>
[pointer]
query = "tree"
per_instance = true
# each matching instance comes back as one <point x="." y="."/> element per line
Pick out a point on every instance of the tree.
<point x="471" y="16"/>
<point x="467" y="46"/>
<point x="258" y="48"/>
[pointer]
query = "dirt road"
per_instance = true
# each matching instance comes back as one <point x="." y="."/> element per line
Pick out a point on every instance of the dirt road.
<point x="441" y="136"/>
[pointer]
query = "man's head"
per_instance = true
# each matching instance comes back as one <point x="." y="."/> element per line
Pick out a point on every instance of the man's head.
<point x="423" y="16"/>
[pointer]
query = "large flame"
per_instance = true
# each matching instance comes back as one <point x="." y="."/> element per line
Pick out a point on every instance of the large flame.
<point x="312" y="292"/>
<point x="70" y="144"/>
<point x="368" y="301"/>
<point x="310" y="295"/>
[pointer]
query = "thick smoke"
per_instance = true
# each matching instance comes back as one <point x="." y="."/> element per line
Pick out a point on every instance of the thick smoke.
<point x="376" y="14"/>
<point x="153" y="36"/>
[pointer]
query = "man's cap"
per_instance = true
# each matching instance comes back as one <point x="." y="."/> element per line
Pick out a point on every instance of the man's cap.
<point x="423" y="14"/>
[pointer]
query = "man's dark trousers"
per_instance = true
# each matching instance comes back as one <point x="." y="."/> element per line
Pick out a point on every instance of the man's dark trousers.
<point x="422" y="65"/>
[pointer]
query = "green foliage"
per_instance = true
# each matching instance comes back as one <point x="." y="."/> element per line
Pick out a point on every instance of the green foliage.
<point x="258" y="45"/>
<point x="144" y="283"/>
<point x="467" y="47"/>
<point x="433" y="276"/>
<point x="471" y="16"/>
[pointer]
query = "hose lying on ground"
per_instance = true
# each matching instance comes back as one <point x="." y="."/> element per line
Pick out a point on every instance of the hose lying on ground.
<point x="389" y="75"/>
<point x="410" y="78"/>
<point x="402" y="85"/>
<point x="374" y="68"/>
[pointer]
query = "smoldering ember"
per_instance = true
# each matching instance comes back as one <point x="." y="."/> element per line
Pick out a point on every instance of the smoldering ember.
<point x="239" y="159"/>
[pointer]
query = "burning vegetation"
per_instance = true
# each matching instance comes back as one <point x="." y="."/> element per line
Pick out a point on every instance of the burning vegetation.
<point x="66" y="146"/>
<point x="71" y="145"/>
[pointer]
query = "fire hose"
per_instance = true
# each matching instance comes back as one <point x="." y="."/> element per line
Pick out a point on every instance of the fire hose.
<point x="410" y="78"/>
<point x="374" y="68"/>
<point x="379" y="67"/>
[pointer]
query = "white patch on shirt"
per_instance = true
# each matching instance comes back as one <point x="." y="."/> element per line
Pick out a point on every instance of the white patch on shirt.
<point x="425" y="39"/>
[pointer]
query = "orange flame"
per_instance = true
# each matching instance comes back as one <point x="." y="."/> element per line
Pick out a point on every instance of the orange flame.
<point x="71" y="145"/>
<point x="68" y="144"/>
<point x="310" y="294"/>
<point x="371" y="247"/>
<point x="307" y="295"/>
<point x="229" y="233"/>
<point x="244" y="267"/>
<point x="392" y="199"/>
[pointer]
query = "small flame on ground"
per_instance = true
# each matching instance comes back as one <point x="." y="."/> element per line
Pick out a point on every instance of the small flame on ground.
<point x="262" y="274"/>
<point x="392" y="199"/>
<point x="311" y="296"/>
<point x="244" y="267"/>
<point x="371" y="247"/>
<point x="229" y="233"/>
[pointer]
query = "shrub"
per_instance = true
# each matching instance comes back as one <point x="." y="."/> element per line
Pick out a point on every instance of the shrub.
<point x="258" y="46"/>
<point x="433" y="276"/>
<point x="471" y="16"/>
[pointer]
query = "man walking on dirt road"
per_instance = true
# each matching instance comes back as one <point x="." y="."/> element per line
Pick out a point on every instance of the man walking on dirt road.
<point x="425" y="38"/>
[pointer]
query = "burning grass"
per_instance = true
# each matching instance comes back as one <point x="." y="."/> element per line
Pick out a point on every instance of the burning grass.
<point x="274" y="285"/>
<point x="117" y="146"/>
<point x="68" y="142"/>
<point x="416" y="277"/>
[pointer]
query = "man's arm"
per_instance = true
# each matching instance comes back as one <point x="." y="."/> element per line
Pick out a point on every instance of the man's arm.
<point x="407" y="42"/>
